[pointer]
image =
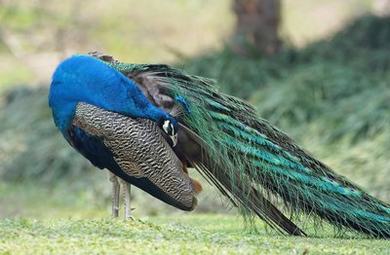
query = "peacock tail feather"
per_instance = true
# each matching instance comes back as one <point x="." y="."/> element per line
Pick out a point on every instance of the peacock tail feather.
<point x="250" y="161"/>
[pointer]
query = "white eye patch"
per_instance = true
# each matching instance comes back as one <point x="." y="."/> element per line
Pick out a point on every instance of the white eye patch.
<point x="169" y="129"/>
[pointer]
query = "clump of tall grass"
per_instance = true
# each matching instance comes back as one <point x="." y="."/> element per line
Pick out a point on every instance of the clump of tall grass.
<point x="30" y="145"/>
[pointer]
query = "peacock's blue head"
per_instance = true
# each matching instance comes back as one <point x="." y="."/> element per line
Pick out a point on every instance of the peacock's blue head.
<point x="86" y="79"/>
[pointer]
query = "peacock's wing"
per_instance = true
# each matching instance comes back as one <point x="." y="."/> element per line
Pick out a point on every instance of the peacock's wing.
<point x="135" y="150"/>
<point x="250" y="160"/>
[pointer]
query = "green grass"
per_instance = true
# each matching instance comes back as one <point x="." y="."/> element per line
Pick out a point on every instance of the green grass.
<point x="66" y="220"/>
<point x="189" y="234"/>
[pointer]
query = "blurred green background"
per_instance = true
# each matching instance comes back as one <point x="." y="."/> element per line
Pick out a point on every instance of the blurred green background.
<point x="328" y="87"/>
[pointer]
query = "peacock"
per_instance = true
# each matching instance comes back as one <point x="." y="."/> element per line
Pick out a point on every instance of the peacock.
<point x="148" y="123"/>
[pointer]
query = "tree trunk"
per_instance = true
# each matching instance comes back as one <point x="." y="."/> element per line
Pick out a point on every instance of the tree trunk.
<point x="257" y="26"/>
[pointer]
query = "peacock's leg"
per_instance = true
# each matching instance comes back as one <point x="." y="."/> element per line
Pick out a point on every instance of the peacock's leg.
<point x="126" y="197"/>
<point x="115" y="195"/>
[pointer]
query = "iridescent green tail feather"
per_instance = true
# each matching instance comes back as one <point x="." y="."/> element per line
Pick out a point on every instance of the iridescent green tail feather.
<point x="252" y="162"/>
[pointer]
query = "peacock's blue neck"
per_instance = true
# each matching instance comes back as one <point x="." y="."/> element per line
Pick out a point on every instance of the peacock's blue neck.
<point x="86" y="79"/>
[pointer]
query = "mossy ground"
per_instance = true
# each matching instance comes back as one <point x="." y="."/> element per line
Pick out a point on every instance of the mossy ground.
<point x="59" y="221"/>
<point x="189" y="234"/>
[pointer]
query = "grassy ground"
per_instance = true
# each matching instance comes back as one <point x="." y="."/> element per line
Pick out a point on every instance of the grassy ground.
<point x="47" y="220"/>
<point x="189" y="234"/>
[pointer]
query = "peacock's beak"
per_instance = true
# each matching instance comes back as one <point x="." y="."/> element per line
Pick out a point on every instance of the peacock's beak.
<point x="173" y="139"/>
